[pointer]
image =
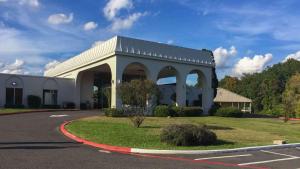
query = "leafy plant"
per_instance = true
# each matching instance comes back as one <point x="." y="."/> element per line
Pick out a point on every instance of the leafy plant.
<point x="229" y="112"/>
<point x="34" y="101"/>
<point x="187" y="135"/>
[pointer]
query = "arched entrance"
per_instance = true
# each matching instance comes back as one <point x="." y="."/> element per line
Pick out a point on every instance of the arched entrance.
<point x="134" y="71"/>
<point x="167" y="81"/>
<point x="195" y="84"/>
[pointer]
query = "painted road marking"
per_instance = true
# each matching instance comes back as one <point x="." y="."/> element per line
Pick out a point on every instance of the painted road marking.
<point x="270" y="152"/>
<point x="104" y="151"/>
<point x="268" y="161"/>
<point x="298" y="149"/>
<point x="244" y="155"/>
<point x="60" y="115"/>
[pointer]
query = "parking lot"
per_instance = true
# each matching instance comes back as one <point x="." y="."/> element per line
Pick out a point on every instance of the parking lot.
<point x="287" y="158"/>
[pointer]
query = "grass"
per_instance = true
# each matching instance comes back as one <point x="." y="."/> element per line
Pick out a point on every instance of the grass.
<point x="231" y="132"/>
<point x="5" y="111"/>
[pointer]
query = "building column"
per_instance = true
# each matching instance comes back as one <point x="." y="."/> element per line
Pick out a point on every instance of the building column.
<point x="181" y="91"/>
<point x="208" y="98"/>
<point x="116" y="79"/>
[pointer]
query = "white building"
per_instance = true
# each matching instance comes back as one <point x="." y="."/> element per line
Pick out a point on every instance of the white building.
<point x="109" y="64"/>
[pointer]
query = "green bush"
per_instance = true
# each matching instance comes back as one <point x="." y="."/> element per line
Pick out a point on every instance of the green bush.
<point x="213" y="109"/>
<point x="162" y="111"/>
<point x="14" y="106"/>
<point x="113" y="112"/>
<point x="229" y="112"/>
<point x="191" y="112"/>
<point x="34" y="101"/>
<point x="186" y="111"/>
<point x="51" y="106"/>
<point x="187" y="135"/>
<point x="69" y="105"/>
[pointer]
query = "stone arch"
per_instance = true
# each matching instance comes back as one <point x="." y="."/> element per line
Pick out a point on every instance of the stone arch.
<point x="14" y="82"/>
<point x="167" y="79"/>
<point x="135" y="70"/>
<point x="90" y="85"/>
<point x="196" y="83"/>
<point x="51" y="84"/>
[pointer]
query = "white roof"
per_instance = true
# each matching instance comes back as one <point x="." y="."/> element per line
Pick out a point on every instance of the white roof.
<point x="137" y="48"/>
<point x="224" y="95"/>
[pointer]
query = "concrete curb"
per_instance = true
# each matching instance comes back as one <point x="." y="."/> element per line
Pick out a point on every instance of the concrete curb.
<point x="102" y="146"/>
<point x="153" y="151"/>
<point x="38" y="111"/>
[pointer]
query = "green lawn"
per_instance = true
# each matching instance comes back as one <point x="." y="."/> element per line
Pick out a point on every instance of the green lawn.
<point x="231" y="132"/>
<point x="2" y="111"/>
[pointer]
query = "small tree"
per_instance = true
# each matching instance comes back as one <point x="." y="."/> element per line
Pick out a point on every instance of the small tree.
<point x="135" y="94"/>
<point x="291" y="96"/>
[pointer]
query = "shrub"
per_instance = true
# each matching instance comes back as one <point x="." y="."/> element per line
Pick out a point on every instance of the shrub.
<point x="191" y="112"/>
<point x="51" y="106"/>
<point x="69" y="105"/>
<point x="213" y="109"/>
<point x="137" y="119"/>
<point x="162" y="111"/>
<point x="83" y="106"/>
<point x="229" y="112"/>
<point x="113" y="112"/>
<point x="187" y="135"/>
<point x="176" y="110"/>
<point x="34" y="101"/>
<point x="14" y="106"/>
<point x="186" y="111"/>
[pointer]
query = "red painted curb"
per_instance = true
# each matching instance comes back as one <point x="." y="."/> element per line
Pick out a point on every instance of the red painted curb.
<point x="294" y="119"/>
<point x="102" y="146"/>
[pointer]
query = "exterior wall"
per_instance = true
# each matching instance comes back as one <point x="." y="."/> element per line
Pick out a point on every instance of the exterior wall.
<point x="34" y="85"/>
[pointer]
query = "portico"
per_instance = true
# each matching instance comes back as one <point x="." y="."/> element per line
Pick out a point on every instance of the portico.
<point x="122" y="59"/>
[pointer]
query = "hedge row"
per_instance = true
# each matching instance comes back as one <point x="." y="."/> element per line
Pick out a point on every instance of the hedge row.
<point x="229" y="112"/>
<point x="175" y="111"/>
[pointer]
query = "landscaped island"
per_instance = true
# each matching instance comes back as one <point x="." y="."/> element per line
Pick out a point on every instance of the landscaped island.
<point x="231" y="132"/>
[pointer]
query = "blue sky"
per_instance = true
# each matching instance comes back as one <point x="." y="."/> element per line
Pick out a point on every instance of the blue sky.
<point x="246" y="36"/>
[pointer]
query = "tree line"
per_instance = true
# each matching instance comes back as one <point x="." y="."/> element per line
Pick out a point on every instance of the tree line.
<point x="271" y="90"/>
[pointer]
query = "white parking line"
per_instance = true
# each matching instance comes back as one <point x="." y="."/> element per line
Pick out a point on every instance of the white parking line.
<point x="61" y="115"/>
<point x="299" y="149"/>
<point x="270" y="152"/>
<point x="269" y="161"/>
<point x="104" y="151"/>
<point x="244" y="155"/>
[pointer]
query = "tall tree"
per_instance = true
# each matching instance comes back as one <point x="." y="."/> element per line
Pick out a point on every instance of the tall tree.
<point x="291" y="96"/>
<point x="229" y="83"/>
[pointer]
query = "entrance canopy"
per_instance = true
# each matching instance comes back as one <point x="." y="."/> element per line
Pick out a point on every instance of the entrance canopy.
<point x="136" y="48"/>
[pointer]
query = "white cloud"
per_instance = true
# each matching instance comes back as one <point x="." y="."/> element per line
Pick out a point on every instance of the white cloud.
<point x="119" y="24"/>
<point x="112" y="8"/>
<point x="252" y="65"/>
<point x="51" y="65"/>
<point x="14" y="68"/>
<point x="32" y="3"/>
<point x="96" y="43"/>
<point x="222" y="55"/>
<point x="60" y="18"/>
<point x="295" y="56"/>
<point x="170" y="42"/>
<point x="90" y="26"/>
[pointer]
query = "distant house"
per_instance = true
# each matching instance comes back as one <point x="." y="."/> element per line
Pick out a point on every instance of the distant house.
<point x="226" y="98"/>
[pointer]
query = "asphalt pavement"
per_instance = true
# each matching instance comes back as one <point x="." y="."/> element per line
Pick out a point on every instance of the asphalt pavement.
<point x="33" y="141"/>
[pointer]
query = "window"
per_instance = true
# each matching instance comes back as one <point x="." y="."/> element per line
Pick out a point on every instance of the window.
<point x="50" y="97"/>
<point x="14" y="96"/>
